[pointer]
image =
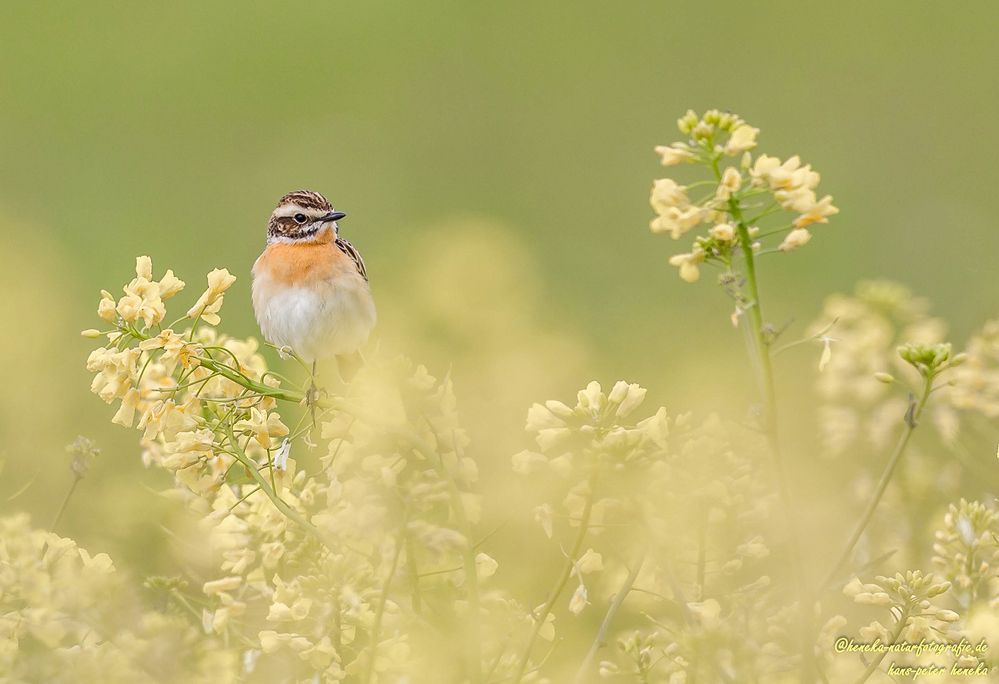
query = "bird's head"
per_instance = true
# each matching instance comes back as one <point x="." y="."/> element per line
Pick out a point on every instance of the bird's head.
<point x="303" y="216"/>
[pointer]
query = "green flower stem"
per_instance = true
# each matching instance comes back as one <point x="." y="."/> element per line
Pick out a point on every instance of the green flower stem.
<point x="471" y="577"/>
<point x="601" y="639"/>
<point x="903" y="618"/>
<point x="765" y="376"/>
<point x="65" y="502"/>
<point x="540" y="618"/>
<point x="285" y="509"/>
<point x="380" y="612"/>
<point x="234" y="375"/>
<point x="458" y="507"/>
<point x="240" y="379"/>
<point x="910" y="423"/>
<point x="764" y="366"/>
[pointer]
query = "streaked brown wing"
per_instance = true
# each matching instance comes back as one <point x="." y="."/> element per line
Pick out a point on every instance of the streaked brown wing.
<point x="349" y="250"/>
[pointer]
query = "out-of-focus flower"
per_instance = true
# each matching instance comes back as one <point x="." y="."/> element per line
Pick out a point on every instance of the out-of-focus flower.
<point x="975" y="383"/>
<point x="723" y="232"/>
<point x="742" y="139"/>
<point x="579" y="600"/>
<point x="688" y="264"/>
<point x="966" y="551"/>
<point x="819" y="212"/>
<point x="909" y="596"/>
<point x="798" y="237"/>
<point x="826" y="352"/>
<point x="868" y="326"/>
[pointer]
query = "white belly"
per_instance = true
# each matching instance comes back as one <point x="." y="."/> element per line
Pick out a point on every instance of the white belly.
<point x="318" y="321"/>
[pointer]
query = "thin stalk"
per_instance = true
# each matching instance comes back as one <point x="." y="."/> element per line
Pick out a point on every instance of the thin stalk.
<point x="414" y="574"/>
<point x="601" y="639"/>
<point x="65" y="502"/>
<point x="764" y="365"/>
<point x="556" y="591"/>
<point x="702" y="550"/>
<point x="380" y="612"/>
<point x="472" y="582"/>
<point x="242" y="380"/>
<point x="473" y="641"/>
<point x="279" y="503"/>
<point x="765" y="377"/>
<point x="910" y="423"/>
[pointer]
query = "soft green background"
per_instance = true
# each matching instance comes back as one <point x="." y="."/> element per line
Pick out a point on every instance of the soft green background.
<point x="171" y="129"/>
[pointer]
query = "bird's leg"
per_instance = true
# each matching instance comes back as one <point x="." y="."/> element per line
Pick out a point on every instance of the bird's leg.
<point x="311" y="395"/>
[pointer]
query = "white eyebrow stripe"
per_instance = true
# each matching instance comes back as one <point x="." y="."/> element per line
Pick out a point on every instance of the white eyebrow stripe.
<point x="293" y="208"/>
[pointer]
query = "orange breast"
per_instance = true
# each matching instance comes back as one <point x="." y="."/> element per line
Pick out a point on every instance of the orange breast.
<point x="301" y="263"/>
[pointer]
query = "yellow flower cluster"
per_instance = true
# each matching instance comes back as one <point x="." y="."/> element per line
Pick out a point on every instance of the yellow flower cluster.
<point x="67" y="616"/>
<point x="862" y="332"/>
<point x="909" y="596"/>
<point x="182" y="389"/>
<point x="662" y="487"/>
<point x="966" y="550"/>
<point x="389" y="518"/>
<point x="975" y="384"/>
<point x="735" y="197"/>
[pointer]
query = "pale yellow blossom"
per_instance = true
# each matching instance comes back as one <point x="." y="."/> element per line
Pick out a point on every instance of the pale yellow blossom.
<point x="170" y="285"/>
<point x="826" y="353"/>
<point x="208" y="305"/>
<point x="798" y="237"/>
<point x="106" y="308"/>
<point x="579" y="600"/>
<point x="688" y="265"/>
<point x="723" y="232"/>
<point x="677" y="153"/>
<point x="676" y="221"/>
<point x="175" y="347"/>
<point x="126" y="411"/>
<point x="667" y="193"/>
<point x="627" y="396"/>
<point x="263" y="426"/>
<point x="731" y="181"/>
<point x="485" y="566"/>
<point x="144" y="267"/>
<point x="590" y="561"/>
<point x="224" y="584"/>
<point x="742" y="140"/>
<point x="817" y="213"/>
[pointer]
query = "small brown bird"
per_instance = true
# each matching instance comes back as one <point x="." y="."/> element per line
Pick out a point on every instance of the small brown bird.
<point x="310" y="286"/>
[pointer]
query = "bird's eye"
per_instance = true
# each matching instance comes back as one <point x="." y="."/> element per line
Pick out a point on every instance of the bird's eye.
<point x="300" y="218"/>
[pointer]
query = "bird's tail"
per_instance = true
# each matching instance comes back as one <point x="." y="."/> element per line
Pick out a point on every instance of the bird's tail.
<point x="349" y="364"/>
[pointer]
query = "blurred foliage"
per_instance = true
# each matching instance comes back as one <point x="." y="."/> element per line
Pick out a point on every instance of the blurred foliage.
<point x="494" y="161"/>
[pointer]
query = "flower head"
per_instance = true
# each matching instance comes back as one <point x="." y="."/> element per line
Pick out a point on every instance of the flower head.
<point x="208" y="305"/>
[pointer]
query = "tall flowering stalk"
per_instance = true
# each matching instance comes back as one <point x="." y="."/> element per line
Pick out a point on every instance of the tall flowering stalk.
<point x="930" y="361"/>
<point x="739" y="203"/>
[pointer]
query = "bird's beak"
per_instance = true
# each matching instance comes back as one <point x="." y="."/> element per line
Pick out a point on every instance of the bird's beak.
<point x="332" y="216"/>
